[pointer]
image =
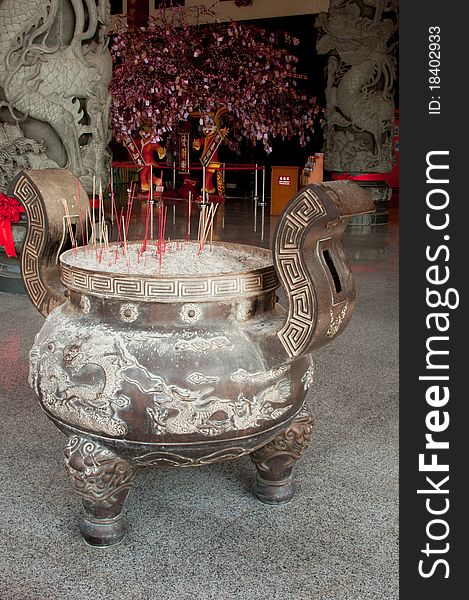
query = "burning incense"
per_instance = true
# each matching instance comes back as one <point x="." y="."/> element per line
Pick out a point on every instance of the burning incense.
<point x="201" y="224"/>
<point x="88" y="224"/>
<point x="69" y="225"/>
<point x="100" y="213"/>
<point x="130" y="204"/>
<point x="125" y="238"/>
<point x="81" y="215"/>
<point x="206" y="225"/>
<point x="93" y="228"/>
<point x="117" y="219"/>
<point x="147" y="220"/>
<point x="151" y="219"/>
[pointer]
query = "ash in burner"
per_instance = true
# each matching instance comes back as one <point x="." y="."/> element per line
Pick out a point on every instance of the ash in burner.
<point x="178" y="258"/>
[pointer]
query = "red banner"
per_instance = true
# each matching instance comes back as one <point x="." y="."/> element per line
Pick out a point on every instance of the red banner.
<point x="184" y="153"/>
<point x="134" y="151"/>
<point x="214" y="140"/>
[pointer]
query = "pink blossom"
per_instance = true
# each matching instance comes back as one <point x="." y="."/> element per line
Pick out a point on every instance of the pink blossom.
<point x="243" y="68"/>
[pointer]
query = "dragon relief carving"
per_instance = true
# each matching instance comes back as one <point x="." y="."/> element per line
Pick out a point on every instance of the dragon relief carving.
<point x="55" y="68"/>
<point x="177" y="410"/>
<point x="81" y="385"/>
<point x="18" y="152"/>
<point x="81" y="381"/>
<point x="244" y="413"/>
<point x="359" y="92"/>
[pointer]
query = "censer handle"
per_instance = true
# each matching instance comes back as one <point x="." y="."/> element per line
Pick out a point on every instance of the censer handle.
<point x="311" y="264"/>
<point x="42" y="192"/>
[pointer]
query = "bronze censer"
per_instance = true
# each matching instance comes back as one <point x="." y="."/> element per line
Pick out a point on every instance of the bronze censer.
<point x="140" y="370"/>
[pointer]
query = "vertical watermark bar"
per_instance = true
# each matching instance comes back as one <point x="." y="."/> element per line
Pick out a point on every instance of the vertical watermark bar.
<point x="434" y="246"/>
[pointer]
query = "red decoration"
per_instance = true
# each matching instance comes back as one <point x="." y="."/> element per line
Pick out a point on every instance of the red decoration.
<point x="150" y="170"/>
<point x="133" y="150"/>
<point x="10" y="211"/>
<point x="209" y="159"/>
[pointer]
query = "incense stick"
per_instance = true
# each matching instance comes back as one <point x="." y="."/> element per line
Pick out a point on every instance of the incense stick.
<point x="69" y="224"/>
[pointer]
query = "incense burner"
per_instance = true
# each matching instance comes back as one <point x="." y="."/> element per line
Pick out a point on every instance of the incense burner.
<point x="173" y="370"/>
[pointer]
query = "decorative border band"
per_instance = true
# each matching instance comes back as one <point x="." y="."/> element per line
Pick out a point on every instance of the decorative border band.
<point x="169" y="289"/>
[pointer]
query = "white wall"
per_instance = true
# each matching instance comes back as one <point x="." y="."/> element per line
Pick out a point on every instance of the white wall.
<point x="260" y="9"/>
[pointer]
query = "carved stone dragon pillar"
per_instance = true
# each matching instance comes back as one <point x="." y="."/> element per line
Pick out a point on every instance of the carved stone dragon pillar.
<point x="358" y="131"/>
<point x="55" y="68"/>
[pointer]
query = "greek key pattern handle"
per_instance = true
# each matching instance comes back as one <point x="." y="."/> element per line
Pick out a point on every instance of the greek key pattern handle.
<point x="27" y="194"/>
<point x="41" y="192"/>
<point x="303" y="212"/>
<point x="311" y="263"/>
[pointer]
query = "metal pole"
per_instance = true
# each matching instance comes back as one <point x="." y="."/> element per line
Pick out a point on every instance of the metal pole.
<point x="174" y="214"/>
<point x="263" y="185"/>
<point x="255" y="184"/>
<point x="255" y="215"/>
<point x="151" y="219"/>
<point x="151" y="201"/>
<point x="174" y="174"/>
<point x="263" y="222"/>
<point x="203" y="184"/>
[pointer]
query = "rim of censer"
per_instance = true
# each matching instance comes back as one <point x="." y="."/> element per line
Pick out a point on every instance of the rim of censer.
<point x="171" y="288"/>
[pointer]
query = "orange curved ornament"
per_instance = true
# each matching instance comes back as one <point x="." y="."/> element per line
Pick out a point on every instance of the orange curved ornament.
<point x="214" y="166"/>
<point x="205" y="142"/>
<point x="149" y="149"/>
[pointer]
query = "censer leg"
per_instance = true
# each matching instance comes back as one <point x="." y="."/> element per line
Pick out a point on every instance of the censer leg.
<point x="275" y="461"/>
<point x="103" y="480"/>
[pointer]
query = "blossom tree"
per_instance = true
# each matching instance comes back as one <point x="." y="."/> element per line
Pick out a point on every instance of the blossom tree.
<point x="165" y="72"/>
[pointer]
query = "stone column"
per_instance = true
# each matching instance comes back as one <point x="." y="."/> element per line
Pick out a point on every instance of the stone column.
<point x="55" y="69"/>
<point x="358" y="132"/>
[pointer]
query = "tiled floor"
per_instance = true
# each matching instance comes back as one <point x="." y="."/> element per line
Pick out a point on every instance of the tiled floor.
<point x="200" y="534"/>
